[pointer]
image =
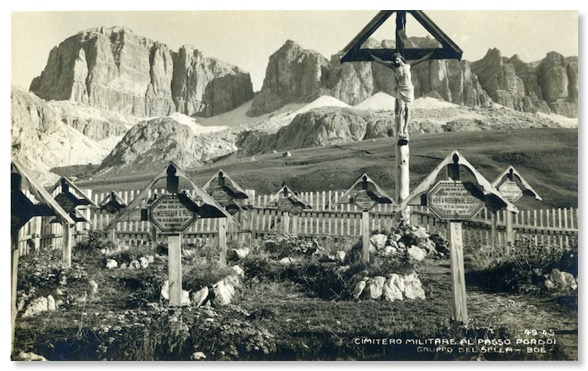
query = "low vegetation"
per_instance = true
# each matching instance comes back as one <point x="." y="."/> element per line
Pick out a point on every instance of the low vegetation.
<point x="300" y="308"/>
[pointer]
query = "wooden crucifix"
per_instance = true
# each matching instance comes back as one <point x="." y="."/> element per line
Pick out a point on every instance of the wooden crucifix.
<point x="400" y="59"/>
<point x="365" y="194"/>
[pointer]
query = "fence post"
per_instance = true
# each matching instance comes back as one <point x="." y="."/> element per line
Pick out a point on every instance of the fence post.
<point x="560" y="228"/>
<point x="36" y="231"/>
<point x="493" y="231"/>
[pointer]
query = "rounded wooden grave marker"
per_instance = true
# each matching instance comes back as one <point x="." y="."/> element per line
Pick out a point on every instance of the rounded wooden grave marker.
<point x="451" y="200"/>
<point x="169" y="215"/>
<point x="511" y="191"/>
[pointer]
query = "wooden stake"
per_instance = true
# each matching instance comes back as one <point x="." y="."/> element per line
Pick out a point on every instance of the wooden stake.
<point x="14" y="279"/>
<point x="66" y="240"/>
<point x="509" y="231"/>
<point x="365" y="231"/>
<point x="457" y="272"/>
<point x="174" y="242"/>
<point x="153" y="236"/>
<point x="402" y="173"/>
<point x="222" y="241"/>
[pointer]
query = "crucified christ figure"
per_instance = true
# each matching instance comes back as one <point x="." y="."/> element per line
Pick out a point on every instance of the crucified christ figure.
<point x="404" y="88"/>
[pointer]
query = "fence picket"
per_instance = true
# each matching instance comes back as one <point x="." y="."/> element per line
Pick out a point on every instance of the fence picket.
<point x="558" y="226"/>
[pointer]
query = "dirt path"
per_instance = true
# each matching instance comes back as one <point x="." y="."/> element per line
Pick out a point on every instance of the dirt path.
<point x="530" y="318"/>
<point x="533" y="318"/>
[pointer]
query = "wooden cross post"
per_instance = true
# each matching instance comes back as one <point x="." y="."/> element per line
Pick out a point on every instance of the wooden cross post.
<point x="510" y="190"/>
<point x="22" y="210"/>
<point x="67" y="242"/>
<point x="174" y="242"/>
<point x="365" y="194"/>
<point x="402" y="148"/>
<point x="402" y="170"/>
<point x="456" y="258"/>
<point x="365" y="232"/>
<point x="222" y="240"/>
<point x="509" y="231"/>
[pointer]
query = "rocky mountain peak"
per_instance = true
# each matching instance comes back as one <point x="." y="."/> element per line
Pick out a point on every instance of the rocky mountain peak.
<point x="293" y="74"/>
<point x="115" y="69"/>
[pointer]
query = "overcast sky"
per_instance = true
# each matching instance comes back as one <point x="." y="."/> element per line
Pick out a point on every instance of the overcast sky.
<point x="247" y="38"/>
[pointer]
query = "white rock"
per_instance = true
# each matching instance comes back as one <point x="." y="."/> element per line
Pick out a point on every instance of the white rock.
<point x="239" y="271"/>
<point x="340" y="255"/>
<point x="379" y="241"/>
<point x="389" y="251"/>
<point x="289" y="260"/>
<point x="393" y="288"/>
<point x="413" y="289"/>
<point x="51" y="303"/>
<point x="37" y="306"/>
<point x="185" y="300"/>
<point x="233" y="280"/>
<point x="93" y="287"/>
<point x="359" y="287"/>
<point x="200" y="296"/>
<point x="240" y="253"/>
<point x="417" y="253"/>
<point x="222" y="295"/>
<point x="111" y="263"/>
<point x="375" y="287"/>
<point x="165" y="290"/>
<point x="29" y="356"/>
<point x="196" y="356"/>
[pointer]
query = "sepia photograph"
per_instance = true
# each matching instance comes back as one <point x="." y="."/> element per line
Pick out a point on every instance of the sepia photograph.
<point x="293" y="184"/>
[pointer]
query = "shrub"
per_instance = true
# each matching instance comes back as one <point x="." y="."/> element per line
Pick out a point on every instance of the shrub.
<point x="285" y="245"/>
<point x="525" y="268"/>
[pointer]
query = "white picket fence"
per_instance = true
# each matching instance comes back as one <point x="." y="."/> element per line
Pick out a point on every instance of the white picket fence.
<point x="327" y="217"/>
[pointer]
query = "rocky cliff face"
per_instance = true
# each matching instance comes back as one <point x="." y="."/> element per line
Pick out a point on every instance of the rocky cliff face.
<point x="549" y="87"/>
<point x="296" y="74"/>
<point x="115" y="69"/>
<point x="151" y="144"/>
<point x="558" y="79"/>
<point x="41" y="139"/>
<point x="293" y="74"/>
<point x="206" y="86"/>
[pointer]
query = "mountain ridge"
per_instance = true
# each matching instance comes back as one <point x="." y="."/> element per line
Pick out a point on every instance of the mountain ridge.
<point x="215" y="100"/>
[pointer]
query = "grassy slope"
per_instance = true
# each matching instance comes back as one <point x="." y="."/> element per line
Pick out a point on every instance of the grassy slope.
<point x="546" y="158"/>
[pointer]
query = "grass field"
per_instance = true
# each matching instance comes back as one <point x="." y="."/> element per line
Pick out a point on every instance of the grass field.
<point x="546" y="158"/>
